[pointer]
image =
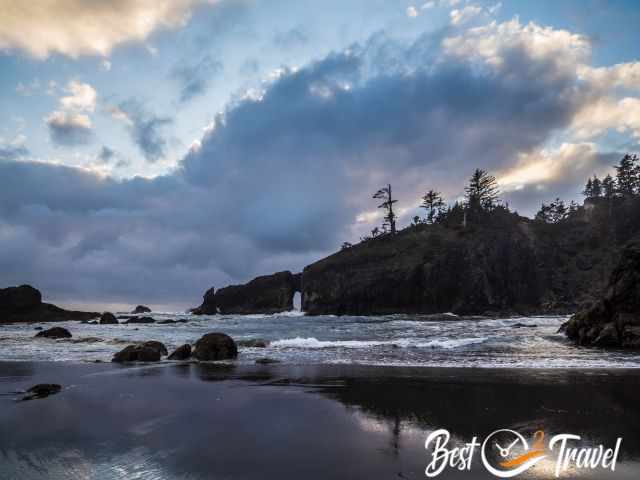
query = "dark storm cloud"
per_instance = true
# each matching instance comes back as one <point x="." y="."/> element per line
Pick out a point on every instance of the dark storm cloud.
<point x="278" y="181"/>
<point x="12" y="152"/>
<point x="69" y="129"/>
<point x="146" y="129"/>
<point x="194" y="79"/>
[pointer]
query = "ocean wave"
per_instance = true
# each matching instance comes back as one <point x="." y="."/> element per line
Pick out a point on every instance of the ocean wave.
<point x="314" y="343"/>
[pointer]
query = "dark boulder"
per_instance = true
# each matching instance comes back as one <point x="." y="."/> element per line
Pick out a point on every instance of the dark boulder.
<point x="141" y="320"/>
<point x="42" y="390"/>
<point x="181" y="353"/>
<point x="614" y="320"/>
<point x="141" y="309"/>
<point x="215" y="346"/>
<point x="24" y="304"/>
<point x="137" y="353"/>
<point x="159" y="346"/>
<point x="55" y="332"/>
<point x="166" y="322"/>
<point x="108" y="319"/>
<point x="208" y="306"/>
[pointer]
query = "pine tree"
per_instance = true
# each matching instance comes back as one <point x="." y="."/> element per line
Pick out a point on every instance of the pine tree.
<point x="588" y="189"/>
<point x="596" y="190"/>
<point x="608" y="187"/>
<point x="385" y="195"/>
<point x="628" y="175"/>
<point x="433" y="203"/>
<point x="482" y="192"/>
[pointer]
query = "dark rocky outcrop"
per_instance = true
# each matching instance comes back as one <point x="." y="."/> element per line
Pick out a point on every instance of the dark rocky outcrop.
<point x="24" y="304"/>
<point x="215" y="346"/>
<point x="108" y="318"/>
<point x="181" y="353"/>
<point x="55" y="332"/>
<point x="614" y="320"/>
<point x="137" y="353"/>
<point x="497" y="265"/>
<point x="141" y="309"/>
<point x="266" y="294"/>
<point x="141" y="320"/>
<point x="42" y="390"/>
<point x="208" y="306"/>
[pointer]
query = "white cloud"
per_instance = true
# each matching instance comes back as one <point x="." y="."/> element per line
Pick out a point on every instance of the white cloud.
<point x="118" y="114"/>
<point x="412" y="12"/>
<point x="80" y="27"/>
<point x="625" y="75"/>
<point x="621" y="115"/>
<point x="490" y="42"/>
<point x="105" y="65"/>
<point x="68" y="128"/>
<point x="459" y="17"/>
<point x="82" y="97"/>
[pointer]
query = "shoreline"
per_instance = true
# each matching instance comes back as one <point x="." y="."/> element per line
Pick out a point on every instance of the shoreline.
<point x="195" y="421"/>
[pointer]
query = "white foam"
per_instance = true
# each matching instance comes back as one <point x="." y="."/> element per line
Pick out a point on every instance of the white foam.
<point x="313" y="343"/>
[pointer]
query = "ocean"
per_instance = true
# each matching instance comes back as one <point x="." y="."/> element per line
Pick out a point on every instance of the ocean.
<point x="294" y="339"/>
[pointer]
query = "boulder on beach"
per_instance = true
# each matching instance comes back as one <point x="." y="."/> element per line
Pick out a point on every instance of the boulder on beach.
<point x="55" y="332"/>
<point x="215" y="346"/>
<point x="181" y="353"/>
<point x="141" y="320"/>
<point x="42" y="390"/>
<point x="141" y="309"/>
<point x="137" y="353"/>
<point x="157" y="346"/>
<point x="24" y="304"/>
<point x="108" y="318"/>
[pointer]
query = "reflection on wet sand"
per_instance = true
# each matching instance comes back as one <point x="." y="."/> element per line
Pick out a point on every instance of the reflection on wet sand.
<point x="227" y="421"/>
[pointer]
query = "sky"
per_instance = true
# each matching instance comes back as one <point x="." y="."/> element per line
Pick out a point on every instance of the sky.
<point x="152" y="149"/>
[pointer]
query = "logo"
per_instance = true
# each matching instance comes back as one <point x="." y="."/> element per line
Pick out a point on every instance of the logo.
<point x="506" y="453"/>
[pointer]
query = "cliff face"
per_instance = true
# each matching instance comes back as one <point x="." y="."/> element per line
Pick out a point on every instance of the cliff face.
<point x="614" y="320"/>
<point x="267" y="294"/>
<point x="24" y="304"/>
<point x="502" y="264"/>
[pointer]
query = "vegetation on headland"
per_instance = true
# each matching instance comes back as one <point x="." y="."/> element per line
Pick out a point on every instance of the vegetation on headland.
<point x="482" y="197"/>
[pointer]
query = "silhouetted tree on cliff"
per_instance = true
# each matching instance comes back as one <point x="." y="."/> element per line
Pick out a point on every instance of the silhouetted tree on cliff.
<point x="608" y="187"/>
<point x="555" y="212"/>
<point x="482" y="193"/>
<point x="433" y="203"/>
<point x="628" y="176"/>
<point x="385" y="195"/>
<point x="593" y="188"/>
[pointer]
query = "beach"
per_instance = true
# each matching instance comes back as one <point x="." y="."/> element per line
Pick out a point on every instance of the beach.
<point x="225" y="420"/>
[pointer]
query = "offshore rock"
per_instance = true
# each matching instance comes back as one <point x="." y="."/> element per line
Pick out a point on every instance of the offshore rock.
<point x="215" y="346"/>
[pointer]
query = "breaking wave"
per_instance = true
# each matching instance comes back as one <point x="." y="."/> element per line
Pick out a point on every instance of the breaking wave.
<point x="312" y="342"/>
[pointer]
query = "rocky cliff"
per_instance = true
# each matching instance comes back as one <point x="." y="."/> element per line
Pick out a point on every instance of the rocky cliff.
<point x="24" y="304"/>
<point x="614" y="320"/>
<point x="501" y="264"/>
<point x="266" y="294"/>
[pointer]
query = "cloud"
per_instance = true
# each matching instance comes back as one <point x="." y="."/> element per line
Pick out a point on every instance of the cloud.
<point x="69" y="129"/>
<point x="194" y="79"/>
<point x="106" y="154"/>
<point x="293" y="38"/>
<point x="105" y="65"/>
<point x="284" y="176"/>
<point x="145" y="128"/>
<point x="412" y="12"/>
<point x="78" y="27"/>
<point x="12" y="151"/>
<point x="82" y="97"/>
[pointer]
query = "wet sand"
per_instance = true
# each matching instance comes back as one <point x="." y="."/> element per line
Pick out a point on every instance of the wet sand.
<point x="197" y="421"/>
